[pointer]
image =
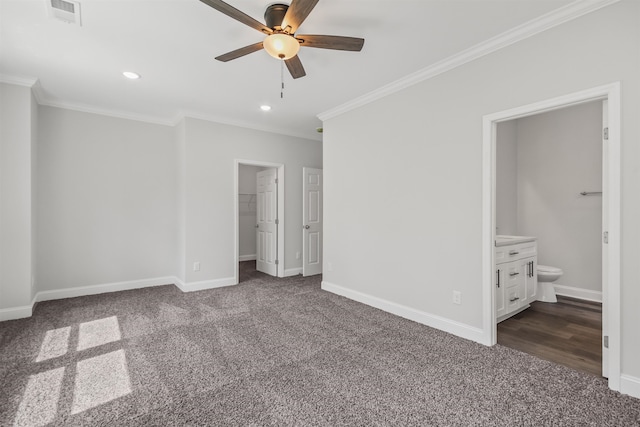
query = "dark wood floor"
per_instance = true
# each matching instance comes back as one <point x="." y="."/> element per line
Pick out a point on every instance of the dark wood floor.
<point x="568" y="332"/>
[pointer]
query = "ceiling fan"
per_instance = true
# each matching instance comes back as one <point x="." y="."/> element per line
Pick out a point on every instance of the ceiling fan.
<point x="282" y="42"/>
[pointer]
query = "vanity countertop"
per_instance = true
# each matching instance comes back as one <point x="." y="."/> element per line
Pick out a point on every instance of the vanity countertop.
<point x="502" y="240"/>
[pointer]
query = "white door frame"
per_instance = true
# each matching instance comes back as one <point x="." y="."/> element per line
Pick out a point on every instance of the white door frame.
<point x="611" y="92"/>
<point x="281" y="222"/>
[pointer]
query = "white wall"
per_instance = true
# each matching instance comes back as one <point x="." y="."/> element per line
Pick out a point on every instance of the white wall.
<point x="403" y="197"/>
<point x="16" y="174"/>
<point x="247" y="210"/>
<point x="559" y="156"/>
<point x="211" y="150"/>
<point x="107" y="190"/>
<point x="507" y="178"/>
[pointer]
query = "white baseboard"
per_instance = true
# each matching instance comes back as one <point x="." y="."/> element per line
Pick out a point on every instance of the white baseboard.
<point x="579" y="293"/>
<point x="14" y="313"/>
<point x="434" y="321"/>
<point x="103" y="288"/>
<point x="292" y="272"/>
<point x="204" y="284"/>
<point x="247" y="258"/>
<point x="630" y="385"/>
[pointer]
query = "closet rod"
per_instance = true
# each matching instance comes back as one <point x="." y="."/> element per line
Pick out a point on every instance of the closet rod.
<point x="590" y="193"/>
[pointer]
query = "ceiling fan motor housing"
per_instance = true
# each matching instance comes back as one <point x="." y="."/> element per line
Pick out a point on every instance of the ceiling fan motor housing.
<point x="274" y="15"/>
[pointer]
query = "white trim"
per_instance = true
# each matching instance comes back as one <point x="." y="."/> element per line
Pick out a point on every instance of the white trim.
<point x="630" y="385"/>
<point x="103" y="288"/>
<point x="34" y="84"/>
<point x="120" y="114"/>
<point x="528" y="29"/>
<point x="18" y="81"/>
<point x="578" y="293"/>
<point x="292" y="272"/>
<point x="245" y="125"/>
<point x="611" y="92"/>
<point x="14" y="313"/>
<point x="432" y="320"/>
<point x="204" y="284"/>
<point x="81" y="291"/>
<point x="247" y="257"/>
<point x="281" y="217"/>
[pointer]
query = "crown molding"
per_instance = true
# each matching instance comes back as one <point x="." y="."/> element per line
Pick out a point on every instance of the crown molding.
<point x="18" y="81"/>
<point x="39" y="94"/>
<point x="549" y="20"/>
<point x="242" y="124"/>
<point x="83" y="108"/>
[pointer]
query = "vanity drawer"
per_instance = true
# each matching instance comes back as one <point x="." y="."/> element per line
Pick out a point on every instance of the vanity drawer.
<point x="515" y="252"/>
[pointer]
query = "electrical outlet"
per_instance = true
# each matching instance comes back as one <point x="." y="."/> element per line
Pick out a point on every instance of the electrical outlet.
<point x="196" y="266"/>
<point x="298" y="255"/>
<point x="457" y="297"/>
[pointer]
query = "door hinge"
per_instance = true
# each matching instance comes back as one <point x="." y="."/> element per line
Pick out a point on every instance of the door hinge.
<point x="605" y="134"/>
<point x="277" y="221"/>
<point x="605" y="237"/>
<point x="606" y="341"/>
<point x="276" y="181"/>
<point x="277" y="262"/>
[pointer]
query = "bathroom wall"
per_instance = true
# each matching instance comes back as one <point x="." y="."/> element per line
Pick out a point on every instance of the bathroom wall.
<point x="507" y="178"/>
<point x="559" y="156"/>
<point x="247" y="204"/>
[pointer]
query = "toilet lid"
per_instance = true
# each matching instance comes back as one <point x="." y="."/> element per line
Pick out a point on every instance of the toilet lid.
<point x="548" y="269"/>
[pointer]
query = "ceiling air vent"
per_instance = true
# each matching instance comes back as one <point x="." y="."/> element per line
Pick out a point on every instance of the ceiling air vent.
<point x="64" y="10"/>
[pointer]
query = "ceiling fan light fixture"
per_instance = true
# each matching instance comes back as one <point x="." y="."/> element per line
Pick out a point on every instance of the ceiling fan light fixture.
<point x="281" y="46"/>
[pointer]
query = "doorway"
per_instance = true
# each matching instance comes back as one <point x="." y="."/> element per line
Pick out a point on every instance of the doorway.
<point x="610" y="210"/>
<point x="247" y="201"/>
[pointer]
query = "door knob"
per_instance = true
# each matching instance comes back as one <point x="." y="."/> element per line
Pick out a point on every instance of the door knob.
<point x="306" y="227"/>
<point x="257" y="225"/>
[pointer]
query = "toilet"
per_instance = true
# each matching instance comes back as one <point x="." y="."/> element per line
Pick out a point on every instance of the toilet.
<point x="546" y="276"/>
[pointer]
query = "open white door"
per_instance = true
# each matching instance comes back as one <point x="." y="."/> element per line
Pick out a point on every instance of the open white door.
<point x="267" y="222"/>
<point x="605" y="237"/>
<point x="311" y="221"/>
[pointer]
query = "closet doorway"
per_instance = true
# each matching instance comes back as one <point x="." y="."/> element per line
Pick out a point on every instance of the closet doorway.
<point x="259" y="216"/>
<point x="610" y="214"/>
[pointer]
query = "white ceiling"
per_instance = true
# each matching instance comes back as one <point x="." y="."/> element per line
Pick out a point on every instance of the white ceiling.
<point x="172" y="44"/>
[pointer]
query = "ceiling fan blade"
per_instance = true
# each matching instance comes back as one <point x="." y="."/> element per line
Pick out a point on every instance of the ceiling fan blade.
<point x="234" y="13"/>
<point x="294" y="65"/>
<point x="297" y="13"/>
<point x="353" y="44"/>
<point x="240" y="52"/>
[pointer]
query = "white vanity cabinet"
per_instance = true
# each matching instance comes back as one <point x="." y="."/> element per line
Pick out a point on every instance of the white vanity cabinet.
<point x="515" y="278"/>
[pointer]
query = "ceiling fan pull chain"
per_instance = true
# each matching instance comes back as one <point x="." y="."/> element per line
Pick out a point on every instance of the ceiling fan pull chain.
<point x="281" y="79"/>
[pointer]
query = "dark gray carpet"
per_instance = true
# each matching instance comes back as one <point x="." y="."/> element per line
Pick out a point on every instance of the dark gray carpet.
<point x="275" y="352"/>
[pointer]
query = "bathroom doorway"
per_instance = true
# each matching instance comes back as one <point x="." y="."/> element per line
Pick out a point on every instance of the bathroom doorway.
<point x="610" y="222"/>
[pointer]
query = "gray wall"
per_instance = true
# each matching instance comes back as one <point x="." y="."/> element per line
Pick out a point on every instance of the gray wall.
<point x="107" y="190"/>
<point x="425" y="151"/>
<point x="16" y="180"/>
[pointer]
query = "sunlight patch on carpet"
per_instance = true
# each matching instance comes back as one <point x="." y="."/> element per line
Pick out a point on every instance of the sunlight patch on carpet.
<point x="99" y="380"/>
<point x="98" y="332"/>
<point x="55" y="344"/>
<point x="39" y="405"/>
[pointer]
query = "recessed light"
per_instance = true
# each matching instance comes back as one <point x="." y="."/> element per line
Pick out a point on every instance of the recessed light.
<point x="265" y="107"/>
<point x="131" y="75"/>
